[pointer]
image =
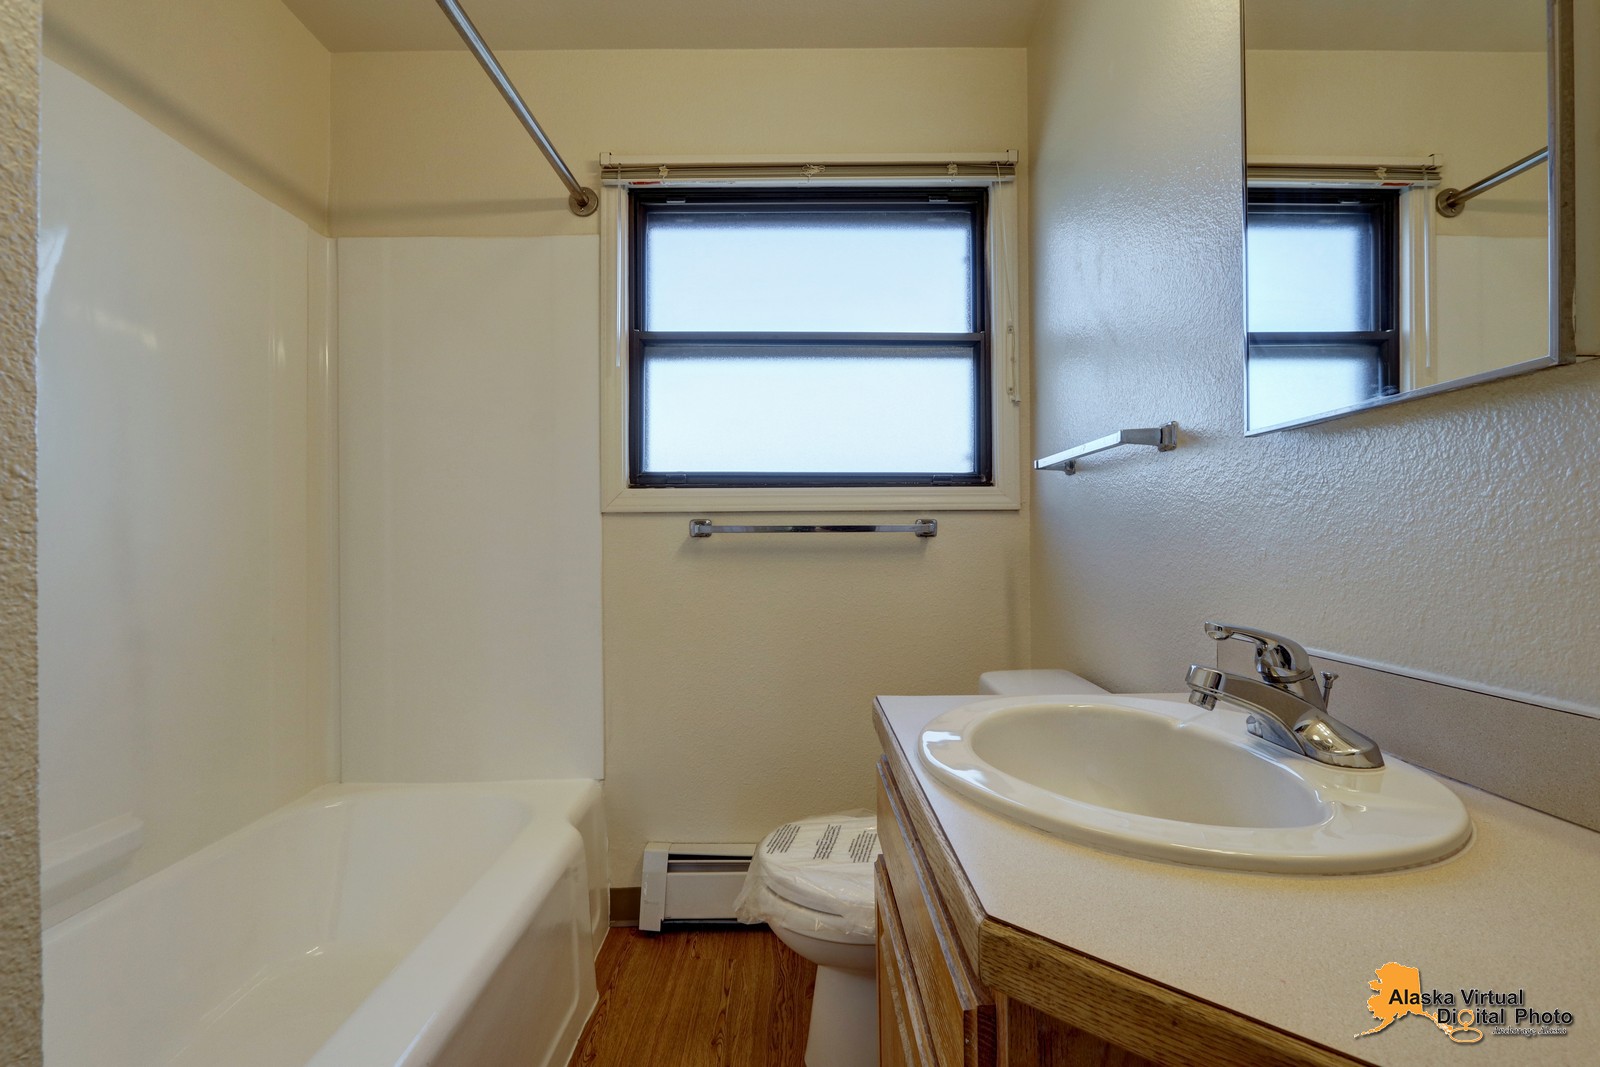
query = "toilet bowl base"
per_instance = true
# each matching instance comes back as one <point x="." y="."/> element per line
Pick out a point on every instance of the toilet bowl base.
<point x="844" y="1020"/>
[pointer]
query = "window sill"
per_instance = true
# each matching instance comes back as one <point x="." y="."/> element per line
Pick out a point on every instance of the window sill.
<point x="867" y="498"/>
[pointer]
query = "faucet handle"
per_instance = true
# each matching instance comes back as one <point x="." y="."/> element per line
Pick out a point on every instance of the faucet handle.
<point x="1278" y="659"/>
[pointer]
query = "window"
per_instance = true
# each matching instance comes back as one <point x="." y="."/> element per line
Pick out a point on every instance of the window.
<point x="808" y="338"/>
<point x="1323" y="301"/>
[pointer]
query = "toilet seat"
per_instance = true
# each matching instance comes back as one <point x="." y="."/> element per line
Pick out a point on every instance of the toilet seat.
<point x="822" y="925"/>
<point x="814" y="876"/>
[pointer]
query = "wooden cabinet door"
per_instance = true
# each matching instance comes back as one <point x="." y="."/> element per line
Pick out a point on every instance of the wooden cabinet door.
<point x="958" y="1011"/>
<point x="903" y="1039"/>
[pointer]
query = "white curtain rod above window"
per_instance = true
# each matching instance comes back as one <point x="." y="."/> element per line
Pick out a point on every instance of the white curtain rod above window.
<point x="967" y="167"/>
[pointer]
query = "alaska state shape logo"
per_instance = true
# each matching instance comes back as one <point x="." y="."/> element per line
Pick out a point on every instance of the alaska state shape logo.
<point x="1398" y="993"/>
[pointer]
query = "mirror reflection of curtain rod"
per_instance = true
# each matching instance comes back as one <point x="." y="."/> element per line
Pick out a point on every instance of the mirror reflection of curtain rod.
<point x="1452" y="202"/>
<point x="581" y="200"/>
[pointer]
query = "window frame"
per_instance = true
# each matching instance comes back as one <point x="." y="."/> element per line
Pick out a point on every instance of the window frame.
<point x="1004" y="373"/>
<point x="973" y="202"/>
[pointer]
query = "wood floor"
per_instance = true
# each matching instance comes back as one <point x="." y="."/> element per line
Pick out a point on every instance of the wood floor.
<point x="702" y="998"/>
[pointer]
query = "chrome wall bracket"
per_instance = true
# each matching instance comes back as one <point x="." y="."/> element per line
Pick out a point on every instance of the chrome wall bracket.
<point x="1163" y="438"/>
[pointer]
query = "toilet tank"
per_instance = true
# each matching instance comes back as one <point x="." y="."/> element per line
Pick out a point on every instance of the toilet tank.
<point x="1036" y="683"/>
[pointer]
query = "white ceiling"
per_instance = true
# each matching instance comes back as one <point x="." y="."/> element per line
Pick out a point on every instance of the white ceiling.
<point x="419" y="25"/>
<point x="1396" y="25"/>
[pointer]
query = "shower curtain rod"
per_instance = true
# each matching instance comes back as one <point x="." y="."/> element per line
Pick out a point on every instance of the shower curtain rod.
<point x="1452" y="202"/>
<point x="581" y="200"/>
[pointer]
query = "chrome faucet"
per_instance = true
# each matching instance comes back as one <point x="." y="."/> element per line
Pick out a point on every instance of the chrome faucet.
<point x="1287" y="707"/>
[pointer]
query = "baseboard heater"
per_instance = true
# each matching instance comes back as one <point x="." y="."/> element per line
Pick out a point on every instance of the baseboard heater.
<point x="691" y="883"/>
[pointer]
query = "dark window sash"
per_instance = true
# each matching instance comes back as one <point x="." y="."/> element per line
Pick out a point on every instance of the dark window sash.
<point x="808" y="340"/>
<point x="982" y="474"/>
<point x="973" y="201"/>
<point x="1382" y="206"/>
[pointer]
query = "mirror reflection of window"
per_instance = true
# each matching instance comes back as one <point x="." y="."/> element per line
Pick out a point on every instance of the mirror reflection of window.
<point x="1322" y="301"/>
<point x="1418" y="96"/>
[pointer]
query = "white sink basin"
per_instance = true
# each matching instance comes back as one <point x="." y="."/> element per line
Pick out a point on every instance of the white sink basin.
<point x="1162" y="779"/>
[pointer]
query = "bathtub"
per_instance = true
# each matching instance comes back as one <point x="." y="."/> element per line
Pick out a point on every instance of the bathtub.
<point x="362" y="925"/>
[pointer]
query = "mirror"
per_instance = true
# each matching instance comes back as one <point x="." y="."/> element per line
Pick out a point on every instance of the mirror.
<point x="1363" y="287"/>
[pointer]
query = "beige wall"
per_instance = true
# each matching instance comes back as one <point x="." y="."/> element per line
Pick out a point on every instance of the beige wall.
<point x="424" y="145"/>
<point x="1475" y="111"/>
<point x="20" y="994"/>
<point x="240" y="82"/>
<point x="1452" y="534"/>
<point x="739" y="673"/>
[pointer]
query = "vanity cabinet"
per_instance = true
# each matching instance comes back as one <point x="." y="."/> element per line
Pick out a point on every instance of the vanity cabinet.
<point x="933" y="1011"/>
<point x="960" y="988"/>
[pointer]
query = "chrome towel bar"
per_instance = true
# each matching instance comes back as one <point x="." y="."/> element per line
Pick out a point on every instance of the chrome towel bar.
<point x="922" y="528"/>
<point x="1164" y="438"/>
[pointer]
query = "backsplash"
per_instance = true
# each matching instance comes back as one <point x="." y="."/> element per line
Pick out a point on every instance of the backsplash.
<point x="1533" y="754"/>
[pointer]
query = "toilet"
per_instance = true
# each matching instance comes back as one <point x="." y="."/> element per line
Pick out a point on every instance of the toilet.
<point x="811" y="882"/>
<point x="1036" y="683"/>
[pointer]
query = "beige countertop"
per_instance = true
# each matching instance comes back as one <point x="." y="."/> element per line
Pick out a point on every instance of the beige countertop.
<point x="1519" y="908"/>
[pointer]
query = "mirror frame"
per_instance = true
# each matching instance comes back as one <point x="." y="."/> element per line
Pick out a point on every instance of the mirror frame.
<point x="1561" y="195"/>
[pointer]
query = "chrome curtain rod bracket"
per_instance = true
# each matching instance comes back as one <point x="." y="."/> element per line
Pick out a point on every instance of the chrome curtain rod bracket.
<point x="922" y="528"/>
<point x="581" y="199"/>
<point x="1452" y="202"/>
<point x="1164" y="438"/>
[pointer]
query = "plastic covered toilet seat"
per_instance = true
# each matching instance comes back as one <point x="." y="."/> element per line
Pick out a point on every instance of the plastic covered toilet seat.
<point x="797" y="919"/>
<point x="815" y="876"/>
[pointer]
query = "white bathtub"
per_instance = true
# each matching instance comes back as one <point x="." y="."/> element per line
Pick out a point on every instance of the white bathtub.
<point x="362" y="925"/>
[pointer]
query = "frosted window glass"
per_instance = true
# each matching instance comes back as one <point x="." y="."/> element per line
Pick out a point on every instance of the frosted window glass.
<point x="751" y="408"/>
<point x="1311" y="272"/>
<point x="1293" y="382"/>
<point x="860" y="271"/>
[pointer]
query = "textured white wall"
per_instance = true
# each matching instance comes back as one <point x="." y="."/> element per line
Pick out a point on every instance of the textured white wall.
<point x="1454" y="534"/>
<point x="470" y="508"/>
<point x="19" y="665"/>
<point x="177" y="560"/>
